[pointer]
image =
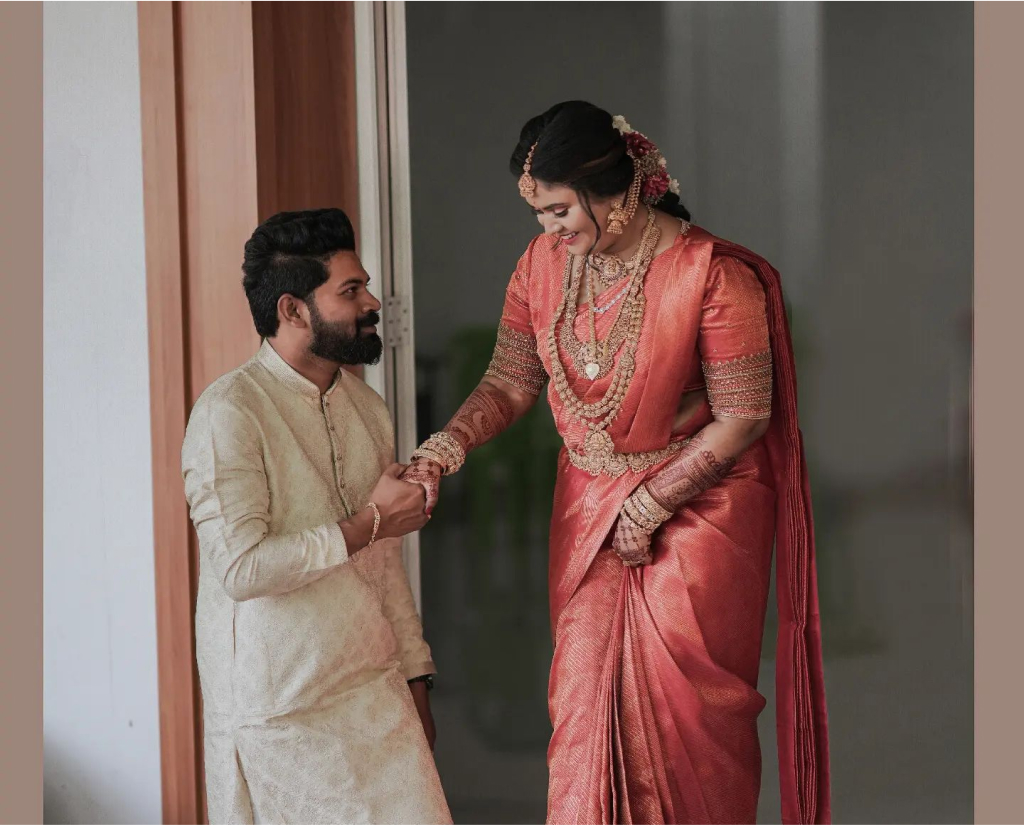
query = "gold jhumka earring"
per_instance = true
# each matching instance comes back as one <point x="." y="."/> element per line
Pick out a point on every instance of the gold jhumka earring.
<point x="622" y="213"/>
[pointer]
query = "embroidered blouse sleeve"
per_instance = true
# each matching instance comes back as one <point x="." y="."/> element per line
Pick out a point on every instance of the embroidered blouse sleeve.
<point x="515" y="358"/>
<point x="734" y="344"/>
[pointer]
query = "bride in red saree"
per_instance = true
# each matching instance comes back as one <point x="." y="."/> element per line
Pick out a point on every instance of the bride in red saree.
<point x="672" y="384"/>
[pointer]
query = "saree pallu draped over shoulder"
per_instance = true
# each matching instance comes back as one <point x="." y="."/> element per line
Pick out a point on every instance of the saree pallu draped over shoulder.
<point x="653" y="692"/>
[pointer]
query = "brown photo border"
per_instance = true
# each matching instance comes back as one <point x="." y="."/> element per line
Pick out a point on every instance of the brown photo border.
<point x="21" y="457"/>
<point x="997" y="451"/>
<point x="999" y="292"/>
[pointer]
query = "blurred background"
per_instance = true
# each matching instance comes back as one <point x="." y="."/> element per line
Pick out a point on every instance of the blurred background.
<point x="836" y="139"/>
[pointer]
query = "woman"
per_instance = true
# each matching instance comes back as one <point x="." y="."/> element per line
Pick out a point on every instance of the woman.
<point x="672" y="384"/>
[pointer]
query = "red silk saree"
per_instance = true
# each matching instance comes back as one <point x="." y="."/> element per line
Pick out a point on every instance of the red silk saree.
<point x="653" y="689"/>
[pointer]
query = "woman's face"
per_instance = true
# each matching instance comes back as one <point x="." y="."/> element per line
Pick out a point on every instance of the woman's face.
<point x="560" y="213"/>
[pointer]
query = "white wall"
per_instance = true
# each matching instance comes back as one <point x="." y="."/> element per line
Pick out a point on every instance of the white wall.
<point x="101" y="730"/>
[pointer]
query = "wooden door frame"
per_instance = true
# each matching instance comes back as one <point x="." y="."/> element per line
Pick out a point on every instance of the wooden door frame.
<point x="175" y="571"/>
<point x="198" y="163"/>
<point x="385" y="244"/>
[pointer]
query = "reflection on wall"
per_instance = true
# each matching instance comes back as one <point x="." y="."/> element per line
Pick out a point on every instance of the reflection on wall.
<point x="836" y="140"/>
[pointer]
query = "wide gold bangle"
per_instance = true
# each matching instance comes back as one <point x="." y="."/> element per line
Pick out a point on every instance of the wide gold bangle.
<point x="642" y="509"/>
<point x="443" y="449"/>
<point x="427" y="454"/>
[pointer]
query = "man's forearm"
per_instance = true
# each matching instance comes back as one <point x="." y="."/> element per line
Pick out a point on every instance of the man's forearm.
<point x="357" y="530"/>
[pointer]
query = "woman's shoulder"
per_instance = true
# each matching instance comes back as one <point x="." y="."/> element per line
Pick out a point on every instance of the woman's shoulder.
<point x="728" y="258"/>
<point x="541" y="254"/>
<point x="726" y="264"/>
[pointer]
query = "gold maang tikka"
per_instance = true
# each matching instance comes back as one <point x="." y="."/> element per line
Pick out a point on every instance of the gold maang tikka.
<point x="527" y="183"/>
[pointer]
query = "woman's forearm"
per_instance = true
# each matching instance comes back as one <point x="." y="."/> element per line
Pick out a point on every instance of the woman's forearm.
<point x="704" y="461"/>
<point x="490" y="409"/>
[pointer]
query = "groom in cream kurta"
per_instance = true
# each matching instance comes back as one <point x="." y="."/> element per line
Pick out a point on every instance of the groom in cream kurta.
<point x="304" y="644"/>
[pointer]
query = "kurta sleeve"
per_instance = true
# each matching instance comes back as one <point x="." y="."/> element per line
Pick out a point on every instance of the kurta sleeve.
<point x="400" y="609"/>
<point x="515" y="358"/>
<point x="734" y="344"/>
<point x="229" y="500"/>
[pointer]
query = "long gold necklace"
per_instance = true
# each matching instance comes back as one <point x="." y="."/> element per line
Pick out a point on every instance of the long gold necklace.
<point x="590" y="360"/>
<point x="599" y="454"/>
<point x="598" y="448"/>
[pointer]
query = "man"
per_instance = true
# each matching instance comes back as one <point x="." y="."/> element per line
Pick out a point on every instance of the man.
<point x="313" y="667"/>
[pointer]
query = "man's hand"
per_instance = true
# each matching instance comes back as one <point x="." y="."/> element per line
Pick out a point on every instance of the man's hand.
<point x="401" y="504"/>
<point x="421" y="698"/>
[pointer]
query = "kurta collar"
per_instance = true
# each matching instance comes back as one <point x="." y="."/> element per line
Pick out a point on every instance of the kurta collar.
<point x="288" y="376"/>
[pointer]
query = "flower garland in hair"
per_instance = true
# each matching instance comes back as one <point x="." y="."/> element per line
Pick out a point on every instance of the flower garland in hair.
<point x="656" y="180"/>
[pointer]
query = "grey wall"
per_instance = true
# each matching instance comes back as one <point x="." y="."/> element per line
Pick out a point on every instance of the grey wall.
<point x="886" y="400"/>
<point x="835" y="139"/>
<point x="477" y="72"/>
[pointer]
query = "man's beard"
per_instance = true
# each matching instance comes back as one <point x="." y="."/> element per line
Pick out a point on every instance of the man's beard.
<point x="332" y="342"/>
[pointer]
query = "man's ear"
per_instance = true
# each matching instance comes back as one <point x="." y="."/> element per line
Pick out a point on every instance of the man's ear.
<point x="292" y="311"/>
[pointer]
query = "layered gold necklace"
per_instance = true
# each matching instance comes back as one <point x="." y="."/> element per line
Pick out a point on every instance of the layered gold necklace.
<point x="593" y="360"/>
<point x="611" y="269"/>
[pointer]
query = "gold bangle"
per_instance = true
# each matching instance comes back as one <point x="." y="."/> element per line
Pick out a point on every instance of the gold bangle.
<point x="444" y="450"/>
<point x="376" y="524"/>
<point x="649" y="505"/>
<point x="644" y="511"/>
<point x="428" y="454"/>
<point x="631" y="514"/>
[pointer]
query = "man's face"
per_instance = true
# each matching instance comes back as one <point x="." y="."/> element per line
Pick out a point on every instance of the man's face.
<point x="343" y="315"/>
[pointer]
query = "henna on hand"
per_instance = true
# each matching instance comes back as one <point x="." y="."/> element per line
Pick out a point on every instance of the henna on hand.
<point x="631" y="544"/>
<point x="428" y="475"/>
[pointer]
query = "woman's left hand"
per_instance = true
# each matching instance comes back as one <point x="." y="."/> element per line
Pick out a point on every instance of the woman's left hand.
<point x="428" y="475"/>
<point x="631" y="544"/>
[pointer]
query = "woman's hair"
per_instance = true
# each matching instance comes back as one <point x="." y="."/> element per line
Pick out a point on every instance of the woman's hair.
<point x="578" y="147"/>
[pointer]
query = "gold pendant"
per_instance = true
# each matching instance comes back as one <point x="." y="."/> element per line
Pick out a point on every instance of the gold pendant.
<point x="599" y="456"/>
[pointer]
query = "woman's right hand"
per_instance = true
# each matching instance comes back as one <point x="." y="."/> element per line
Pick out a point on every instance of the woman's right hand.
<point x="427" y="474"/>
<point x="400" y="503"/>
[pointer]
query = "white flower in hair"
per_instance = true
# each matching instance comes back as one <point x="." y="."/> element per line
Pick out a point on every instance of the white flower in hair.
<point x="619" y="122"/>
<point x="662" y="162"/>
<point x="673" y="186"/>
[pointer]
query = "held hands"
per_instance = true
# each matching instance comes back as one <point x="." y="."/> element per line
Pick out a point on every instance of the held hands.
<point x="427" y="474"/>
<point x="401" y="504"/>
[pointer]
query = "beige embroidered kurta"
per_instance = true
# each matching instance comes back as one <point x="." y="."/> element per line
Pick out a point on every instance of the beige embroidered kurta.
<point x="303" y="652"/>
